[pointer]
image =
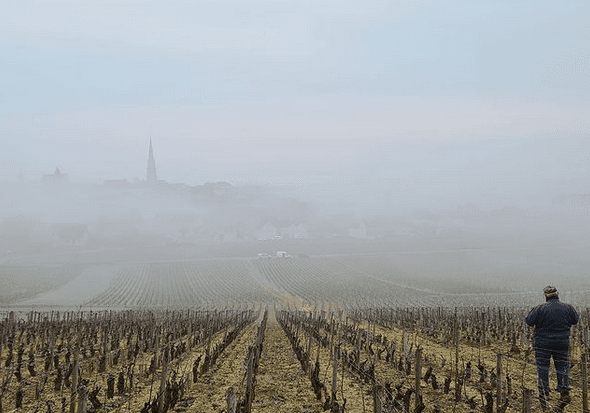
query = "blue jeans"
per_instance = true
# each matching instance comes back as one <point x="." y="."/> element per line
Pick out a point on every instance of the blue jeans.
<point x="544" y="351"/>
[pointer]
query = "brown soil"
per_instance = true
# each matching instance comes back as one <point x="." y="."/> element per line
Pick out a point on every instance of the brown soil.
<point x="281" y="384"/>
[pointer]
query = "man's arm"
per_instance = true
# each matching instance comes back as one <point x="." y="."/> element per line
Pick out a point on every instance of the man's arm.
<point x="531" y="319"/>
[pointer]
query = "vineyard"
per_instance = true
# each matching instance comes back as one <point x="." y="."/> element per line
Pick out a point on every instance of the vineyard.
<point x="338" y="281"/>
<point x="245" y="359"/>
<point x="340" y="333"/>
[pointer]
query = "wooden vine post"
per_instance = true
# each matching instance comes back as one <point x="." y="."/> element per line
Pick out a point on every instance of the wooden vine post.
<point x="585" y="382"/>
<point x="418" y="375"/>
<point x="74" y="385"/>
<point x="405" y="346"/>
<point x="163" y="386"/>
<point x="334" y="374"/>
<point x="485" y="327"/>
<point x="249" y="380"/>
<point x="499" y="383"/>
<point x="358" y="341"/>
<point x="309" y="348"/>
<point x="335" y="352"/>
<point x="456" y="350"/>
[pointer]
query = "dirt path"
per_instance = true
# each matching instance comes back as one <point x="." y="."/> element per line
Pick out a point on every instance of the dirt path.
<point x="281" y="384"/>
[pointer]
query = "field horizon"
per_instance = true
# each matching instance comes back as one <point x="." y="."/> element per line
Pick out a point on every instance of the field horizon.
<point x="340" y="271"/>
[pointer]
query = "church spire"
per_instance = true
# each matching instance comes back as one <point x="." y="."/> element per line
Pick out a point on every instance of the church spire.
<point x="151" y="166"/>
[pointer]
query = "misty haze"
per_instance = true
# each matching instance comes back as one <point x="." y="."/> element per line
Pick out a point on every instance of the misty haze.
<point x="286" y="206"/>
<point x="67" y="244"/>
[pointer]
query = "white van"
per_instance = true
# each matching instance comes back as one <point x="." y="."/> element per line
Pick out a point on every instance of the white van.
<point x="283" y="254"/>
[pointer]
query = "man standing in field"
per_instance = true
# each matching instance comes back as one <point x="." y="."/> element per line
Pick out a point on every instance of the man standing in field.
<point x="552" y="321"/>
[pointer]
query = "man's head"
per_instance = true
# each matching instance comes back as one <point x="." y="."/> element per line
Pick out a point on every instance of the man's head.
<point x="550" y="291"/>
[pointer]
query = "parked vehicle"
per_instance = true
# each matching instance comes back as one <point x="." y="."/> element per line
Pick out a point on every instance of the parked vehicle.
<point x="283" y="254"/>
<point x="264" y="256"/>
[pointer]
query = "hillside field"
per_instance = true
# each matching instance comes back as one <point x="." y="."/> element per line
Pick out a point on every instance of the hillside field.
<point x="184" y="277"/>
<point x="280" y="334"/>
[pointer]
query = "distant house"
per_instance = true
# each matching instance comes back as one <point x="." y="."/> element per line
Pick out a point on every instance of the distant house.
<point x="228" y="235"/>
<point x="55" y="177"/>
<point x="360" y="231"/>
<point x="267" y="231"/>
<point x="294" y="231"/>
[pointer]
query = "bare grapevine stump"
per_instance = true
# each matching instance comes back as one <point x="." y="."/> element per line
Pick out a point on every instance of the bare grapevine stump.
<point x="121" y="383"/>
<point x="93" y="397"/>
<point x="378" y="397"/>
<point x="458" y="389"/>
<point x="527" y="400"/>
<point x="230" y="397"/>
<point x="102" y="364"/>
<point x="83" y="393"/>
<point x="110" y="386"/>
<point x="19" y="398"/>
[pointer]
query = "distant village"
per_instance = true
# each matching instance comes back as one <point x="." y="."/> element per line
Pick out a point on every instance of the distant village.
<point x="56" y="212"/>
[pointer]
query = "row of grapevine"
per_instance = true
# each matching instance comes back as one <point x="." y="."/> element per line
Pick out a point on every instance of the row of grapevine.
<point x="335" y="282"/>
<point x="321" y="280"/>
<point x="386" y="350"/>
<point x="474" y="278"/>
<point x="183" y="284"/>
<point x="373" y="359"/>
<point x="251" y="363"/>
<point x="74" y="361"/>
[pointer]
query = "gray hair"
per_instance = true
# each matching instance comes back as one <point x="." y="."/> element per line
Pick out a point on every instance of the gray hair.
<point x="550" y="291"/>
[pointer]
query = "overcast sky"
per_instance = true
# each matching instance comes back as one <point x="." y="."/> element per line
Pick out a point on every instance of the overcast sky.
<point x="439" y="97"/>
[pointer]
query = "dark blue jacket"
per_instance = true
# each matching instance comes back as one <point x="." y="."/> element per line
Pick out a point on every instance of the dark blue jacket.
<point x="552" y="320"/>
